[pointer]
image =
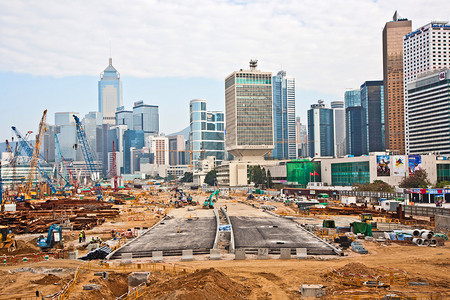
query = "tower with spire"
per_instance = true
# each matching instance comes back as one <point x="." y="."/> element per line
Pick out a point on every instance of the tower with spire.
<point x="109" y="93"/>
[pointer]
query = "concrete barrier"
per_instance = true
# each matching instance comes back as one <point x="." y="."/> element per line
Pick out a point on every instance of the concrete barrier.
<point x="312" y="290"/>
<point x="285" y="253"/>
<point x="232" y="246"/>
<point x="127" y="258"/>
<point x="136" y="278"/>
<point x="214" y="254"/>
<point x="239" y="254"/>
<point x="301" y="253"/>
<point x="187" y="255"/>
<point x="217" y="238"/>
<point x="442" y="222"/>
<point x="263" y="253"/>
<point x="157" y="256"/>
<point x="73" y="254"/>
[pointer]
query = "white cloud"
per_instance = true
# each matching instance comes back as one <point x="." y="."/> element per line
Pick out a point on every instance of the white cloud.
<point x="327" y="45"/>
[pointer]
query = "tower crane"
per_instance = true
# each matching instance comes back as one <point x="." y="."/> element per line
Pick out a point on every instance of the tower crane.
<point x="114" y="167"/>
<point x="88" y="157"/>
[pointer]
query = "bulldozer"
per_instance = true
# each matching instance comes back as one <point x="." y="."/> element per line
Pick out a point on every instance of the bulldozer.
<point x="7" y="240"/>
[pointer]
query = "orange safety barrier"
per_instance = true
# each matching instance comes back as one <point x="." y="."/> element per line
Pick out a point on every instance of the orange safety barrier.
<point x="32" y="257"/>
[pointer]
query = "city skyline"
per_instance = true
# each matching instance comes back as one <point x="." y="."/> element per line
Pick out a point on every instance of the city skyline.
<point x="65" y="78"/>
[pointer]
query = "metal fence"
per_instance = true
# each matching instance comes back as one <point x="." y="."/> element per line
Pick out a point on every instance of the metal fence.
<point x="414" y="210"/>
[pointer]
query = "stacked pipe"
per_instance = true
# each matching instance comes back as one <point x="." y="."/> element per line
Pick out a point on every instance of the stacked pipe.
<point x="422" y="237"/>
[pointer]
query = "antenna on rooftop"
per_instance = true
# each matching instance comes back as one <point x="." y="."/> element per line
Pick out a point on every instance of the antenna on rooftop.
<point x="253" y="64"/>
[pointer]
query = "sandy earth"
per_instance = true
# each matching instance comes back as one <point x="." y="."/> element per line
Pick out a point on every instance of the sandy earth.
<point x="230" y="279"/>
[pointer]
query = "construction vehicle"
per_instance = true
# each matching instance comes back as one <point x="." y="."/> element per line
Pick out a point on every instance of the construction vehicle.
<point x="54" y="237"/>
<point x="366" y="217"/>
<point x="209" y="203"/>
<point x="7" y="240"/>
<point x="89" y="158"/>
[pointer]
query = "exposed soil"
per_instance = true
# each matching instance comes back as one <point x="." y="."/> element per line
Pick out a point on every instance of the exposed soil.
<point x="47" y="279"/>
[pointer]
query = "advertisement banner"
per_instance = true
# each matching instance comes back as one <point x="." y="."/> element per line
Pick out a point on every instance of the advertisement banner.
<point x="414" y="163"/>
<point x="399" y="167"/>
<point x="383" y="165"/>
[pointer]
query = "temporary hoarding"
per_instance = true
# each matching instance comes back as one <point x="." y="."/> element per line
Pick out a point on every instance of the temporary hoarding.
<point x="414" y="163"/>
<point x="399" y="165"/>
<point x="383" y="165"/>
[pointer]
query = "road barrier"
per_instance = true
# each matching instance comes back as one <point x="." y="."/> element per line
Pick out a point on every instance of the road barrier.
<point x="32" y="257"/>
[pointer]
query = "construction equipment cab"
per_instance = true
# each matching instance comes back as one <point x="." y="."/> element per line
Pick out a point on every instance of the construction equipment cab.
<point x="54" y="237"/>
<point x="7" y="240"/>
<point x="366" y="217"/>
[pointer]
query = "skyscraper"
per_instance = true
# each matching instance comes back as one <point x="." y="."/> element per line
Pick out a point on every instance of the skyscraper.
<point x="425" y="49"/>
<point x="109" y="94"/>
<point x="207" y="132"/>
<point x="372" y="103"/>
<point x="249" y="108"/>
<point x="177" y="150"/>
<point x="124" y="117"/>
<point x="393" y="34"/>
<point x="67" y="135"/>
<point x="132" y="140"/>
<point x="159" y="147"/>
<point x="284" y="117"/>
<point x="146" y="118"/>
<point x="339" y="128"/>
<point x="301" y="138"/>
<point x="353" y="121"/>
<point x="320" y="130"/>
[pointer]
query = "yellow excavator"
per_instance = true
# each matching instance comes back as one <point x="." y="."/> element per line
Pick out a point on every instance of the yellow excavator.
<point x="7" y="240"/>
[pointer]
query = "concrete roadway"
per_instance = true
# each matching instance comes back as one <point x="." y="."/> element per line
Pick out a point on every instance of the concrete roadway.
<point x="254" y="228"/>
<point x="175" y="234"/>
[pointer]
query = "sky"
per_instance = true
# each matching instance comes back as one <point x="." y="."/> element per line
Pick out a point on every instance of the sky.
<point x="169" y="52"/>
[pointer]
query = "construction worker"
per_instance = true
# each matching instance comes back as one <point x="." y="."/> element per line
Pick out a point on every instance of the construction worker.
<point x="80" y="238"/>
<point x="83" y="235"/>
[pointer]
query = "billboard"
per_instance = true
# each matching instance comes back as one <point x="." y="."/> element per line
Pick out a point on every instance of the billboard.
<point x="383" y="168"/>
<point x="399" y="165"/>
<point x="414" y="163"/>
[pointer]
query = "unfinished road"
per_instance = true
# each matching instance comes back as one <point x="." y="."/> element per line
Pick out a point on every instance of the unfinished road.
<point x="254" y="228"/>
<point x="183" y="230"/>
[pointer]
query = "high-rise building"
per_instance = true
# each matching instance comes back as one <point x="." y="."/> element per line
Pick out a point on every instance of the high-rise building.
<point x="429" y="113"/>
<point x="48" y="143"/>
<point x="109" y="94"/>
<point x="146" y="118"/>
<point x="320" y="130"/>
<point x="67" y="135"/>
<point x="159" y="146"/>
<point x="284" y="117"/>
<point x="393" y="34"/>
<point x="301" y="133"/>
<point x="124" y="117"/>
<point x="353" y="121"/>
<point x="177" y="150"/>
<point x="132" y="140"/>
<point x="372" y="103"/>
<point x="249" y="113"/>
<point x="90" y="123"/>
<point x="425" y="49"/>
<point x="339" y="128"/>
<point x="207" y="133"/>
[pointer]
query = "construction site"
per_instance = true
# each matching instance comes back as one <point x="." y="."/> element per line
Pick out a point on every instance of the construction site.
<point x="62" y="238"/>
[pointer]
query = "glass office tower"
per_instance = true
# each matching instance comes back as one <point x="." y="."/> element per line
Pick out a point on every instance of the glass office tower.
<point x="109" y="94"/>
<point x="372" y="103"/>
<point x="320" y="130"/>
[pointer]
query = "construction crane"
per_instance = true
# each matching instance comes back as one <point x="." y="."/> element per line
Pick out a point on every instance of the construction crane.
<point x="29" y="152"/>
<point x="1" y="190"/>
<point x="35" y="155"/>
<point x="114" y="168"/>
<point x="15" y="156"/>
<point x="88" y="157"/>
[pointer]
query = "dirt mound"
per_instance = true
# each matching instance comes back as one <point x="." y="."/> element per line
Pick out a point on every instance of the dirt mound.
<point x="23" y="247"/>
<point x="203" y="284"/>
<point x="357" y="268"/>
<point x="47" y="279"/>
<point x="116" y="285"/>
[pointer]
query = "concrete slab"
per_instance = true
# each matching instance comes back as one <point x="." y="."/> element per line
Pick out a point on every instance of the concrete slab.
<point x="274" y="233"/>
<point x="285" y="253"/>
<point x="214" y="254"/>
<point x="187" y="255"/>
<point x="263" y="253"/>
<point x="301" y="253"/>
<point x="127" y="258"/>
<point x="239" y="254"/>
<point x="312" y="290"/>
<point x="157" y="256"/>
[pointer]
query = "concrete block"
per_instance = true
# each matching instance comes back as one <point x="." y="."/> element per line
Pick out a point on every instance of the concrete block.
<point x="73" y="254"/>
<point x="157" y="256"/>
<point x="136" y="278"/>
<point x="187" y="255"/>
<point x="90" y="287"/>
<point x="214" y="254"/>
<point x="91" y="247"/>
<point x="285" y="253"/>
<point x="263" y="253"/>
<point x="301" y="253"/>
<point x="127" y="258"/>
<point x="239" y="254"/>
<point x="312" y="290"/>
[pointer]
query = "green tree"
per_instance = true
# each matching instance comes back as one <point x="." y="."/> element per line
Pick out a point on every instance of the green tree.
<point x="187" y="177"/>
<point x="170" y="177"/>
<point x="375" y="186"/>
<point x="211" y="178"/>
<point x="442" y="184"/>
<point x="417" y="180"/>
<point x="269" y="182"/>
<point x="257" y="175"/>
